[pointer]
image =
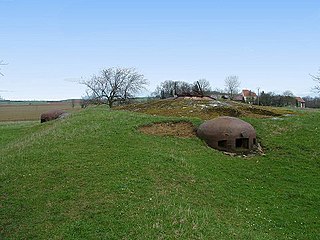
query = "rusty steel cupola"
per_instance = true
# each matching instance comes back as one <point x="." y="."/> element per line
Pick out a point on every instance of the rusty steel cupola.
<point x="228" y="134"/>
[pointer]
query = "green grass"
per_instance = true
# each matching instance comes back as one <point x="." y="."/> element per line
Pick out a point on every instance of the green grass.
<point x="10" y="131"/>
<point x="94" y="176"/>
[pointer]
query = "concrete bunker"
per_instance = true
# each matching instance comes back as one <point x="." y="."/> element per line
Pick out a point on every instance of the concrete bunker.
<point x="228" y="134"/>
<point x="52" y="115"/>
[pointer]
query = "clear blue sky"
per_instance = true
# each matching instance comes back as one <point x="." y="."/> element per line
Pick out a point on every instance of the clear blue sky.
<point x="271" y="44"/>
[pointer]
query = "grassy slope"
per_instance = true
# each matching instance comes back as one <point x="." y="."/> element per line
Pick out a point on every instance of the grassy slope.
<point x="11" y="131"/>
<point x="93" y="176"/>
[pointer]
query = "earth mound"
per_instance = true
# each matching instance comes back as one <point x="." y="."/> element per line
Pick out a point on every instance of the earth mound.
<point x="204" y="108"/>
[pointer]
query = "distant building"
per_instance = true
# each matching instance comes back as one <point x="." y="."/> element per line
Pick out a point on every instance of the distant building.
<point x="300" y="103"/>
<point x="248" y="96"/>
<point x="238" y="98"/>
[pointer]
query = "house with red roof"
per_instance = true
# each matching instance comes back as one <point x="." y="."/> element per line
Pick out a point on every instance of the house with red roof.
<point x="300" y="103"/>
<point x="249" y="96"/>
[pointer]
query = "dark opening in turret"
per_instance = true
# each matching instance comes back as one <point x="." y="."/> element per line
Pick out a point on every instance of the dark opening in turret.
<point x="222" y="143"/>
<point x="242" y="143"/>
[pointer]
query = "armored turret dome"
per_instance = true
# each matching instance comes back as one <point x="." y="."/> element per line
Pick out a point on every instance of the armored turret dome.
<point x="228" y="134"/>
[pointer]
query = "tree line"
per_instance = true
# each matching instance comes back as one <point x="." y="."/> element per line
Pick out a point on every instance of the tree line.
<point x="277" y="100"/>
<point x="312" y="102"/>
<point x="113" y="85"/>
<point x="286" y="99"/>
<point x="116" y="84"/>
<point x="171" y="88"/>
<point x="119" y="85"/>
<point x="199" y="88"/>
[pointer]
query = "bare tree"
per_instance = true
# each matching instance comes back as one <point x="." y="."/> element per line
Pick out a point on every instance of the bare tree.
<point x="316" y="78"/>
<point x="232" y="85"/>
<point x="201" y="87"/>
<point x="171" y="88"/>
<point x="115" y="84"/>
<point x="287" y="98"/>
<point x="288" y="93"/>
<point x="166" y="89"/>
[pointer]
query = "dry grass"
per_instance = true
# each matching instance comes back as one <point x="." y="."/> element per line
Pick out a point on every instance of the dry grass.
<point x="204" y="108"/>
<point x="27" y="112"/>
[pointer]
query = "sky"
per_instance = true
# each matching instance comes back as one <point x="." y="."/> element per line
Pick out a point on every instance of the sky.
<point x="49" y="45"/>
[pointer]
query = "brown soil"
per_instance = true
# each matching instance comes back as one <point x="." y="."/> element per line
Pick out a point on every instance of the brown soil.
<point x="178" y="129"/>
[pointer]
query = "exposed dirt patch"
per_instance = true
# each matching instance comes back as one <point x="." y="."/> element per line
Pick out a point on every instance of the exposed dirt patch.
<point x="177" y="129"/>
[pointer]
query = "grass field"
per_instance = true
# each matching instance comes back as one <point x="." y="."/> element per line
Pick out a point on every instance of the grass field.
<point x="95" y="176"/>
<point x="31" y="111"/>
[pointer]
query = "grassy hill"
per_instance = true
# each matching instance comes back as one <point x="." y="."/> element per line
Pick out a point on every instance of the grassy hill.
<point x="204" y="108"/>
<point x="95" y="176"/>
